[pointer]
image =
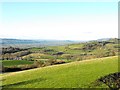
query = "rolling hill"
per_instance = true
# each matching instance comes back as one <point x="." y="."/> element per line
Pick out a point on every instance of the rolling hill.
<point x="78" y="74"/>
<point x="33" y="43"/>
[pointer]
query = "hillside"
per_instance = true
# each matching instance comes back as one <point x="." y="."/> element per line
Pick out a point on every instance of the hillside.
<point x="79" y="74"/>
<point x="25" y="43"/>
<point x="51" y="55"/>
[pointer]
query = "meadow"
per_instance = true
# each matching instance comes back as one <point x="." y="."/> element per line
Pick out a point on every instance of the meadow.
<point x="8" y="63"/>
<point x="78" y="74"/>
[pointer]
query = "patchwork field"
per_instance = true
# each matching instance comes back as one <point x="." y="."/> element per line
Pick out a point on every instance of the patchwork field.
<point x="78" y="74"/>
<point x="8" y="63"/>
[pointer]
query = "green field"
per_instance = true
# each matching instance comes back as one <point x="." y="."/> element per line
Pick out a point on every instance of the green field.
<point x="8" y="63"/>
<point x="78" y="74"/>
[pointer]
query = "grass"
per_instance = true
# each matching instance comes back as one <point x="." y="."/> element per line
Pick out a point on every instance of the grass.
<point x="8" y="63"/>
<point x="79" y="74"/>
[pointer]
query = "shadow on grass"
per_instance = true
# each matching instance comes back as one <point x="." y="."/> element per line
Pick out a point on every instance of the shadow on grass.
<point x="112" y="81"/>
<point x="24" y="82"/>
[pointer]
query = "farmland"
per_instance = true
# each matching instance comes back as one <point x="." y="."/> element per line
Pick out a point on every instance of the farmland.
<point x="51" y="55"/>
<point x="78" y="74"/>
<point x="76" y="65"/>
<point x="8" y="63"/>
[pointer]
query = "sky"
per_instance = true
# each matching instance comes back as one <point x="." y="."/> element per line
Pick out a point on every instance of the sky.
<point x="59" y="20"/>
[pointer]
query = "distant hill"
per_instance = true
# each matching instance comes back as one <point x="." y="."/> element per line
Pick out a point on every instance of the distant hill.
<point x="33" y="43"/>
<point x="40" y="43"/>
<point x="104" y="39"/>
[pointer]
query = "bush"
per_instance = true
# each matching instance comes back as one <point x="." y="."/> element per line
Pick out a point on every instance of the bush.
<point x="79" y="59"/>
<point x="60" y="62"/>
<point x="39" y="63"/>
<point x="51" y="61"/>
<point x="112" y="80"/>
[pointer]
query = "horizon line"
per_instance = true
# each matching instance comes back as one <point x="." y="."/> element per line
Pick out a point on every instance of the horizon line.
<point x="61" y="39"/>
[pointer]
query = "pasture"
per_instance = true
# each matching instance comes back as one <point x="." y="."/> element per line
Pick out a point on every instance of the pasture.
<point x="8" y="63"/>
<point x="78" y="74"/>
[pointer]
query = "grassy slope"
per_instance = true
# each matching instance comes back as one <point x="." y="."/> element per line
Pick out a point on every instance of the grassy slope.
<point x="71" y="75"/>
<point x="7" y="63"/>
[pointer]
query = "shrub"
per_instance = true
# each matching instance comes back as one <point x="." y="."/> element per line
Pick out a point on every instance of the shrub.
<point x="39" y="63"/>
<point x="112" y="80"/>
<point x="79" y="59"/>
<point x="60" y="62"/>
<point x="51" y="61"/>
